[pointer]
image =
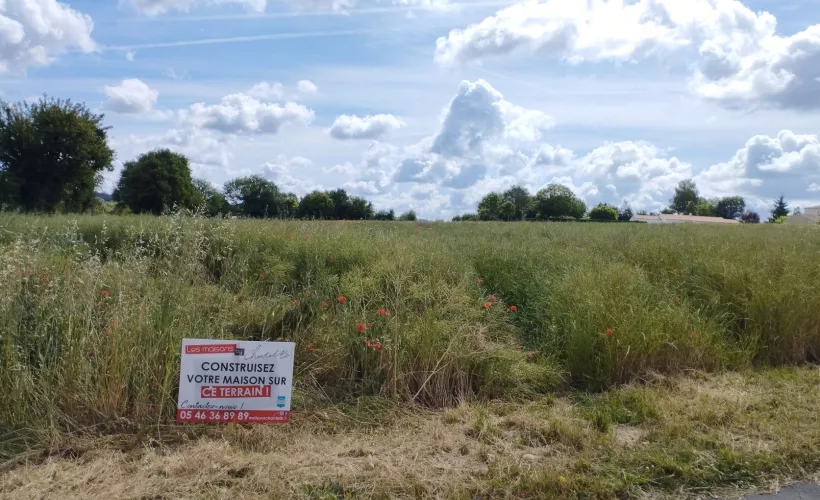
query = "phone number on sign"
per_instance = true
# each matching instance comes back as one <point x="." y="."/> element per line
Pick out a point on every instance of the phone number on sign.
<point x="256" y="416"/>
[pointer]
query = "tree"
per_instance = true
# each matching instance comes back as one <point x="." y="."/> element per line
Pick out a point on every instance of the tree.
<point x="666" y="211"/>
<point x="209" y="198"/>
<point x="750" y="218"/>
<point x="704" y="208"/>
<point x="730" y="207"/>
<point x="341" y="204"/>
<point x="409" y="216"/>
<point x="685" y="194"/>
<point x="359" y="209"/>
<point x="316" y="205"/>
<point x="625" y="214"/>
<point x="489" y="208"/>
<point x="520" y="199"/>
<point x="604" y="212"/>
<point x="52" y="155"/>
<point x="156" y="181"/>
<point x="780" y="209"/>
<point x="254" y="196"/>
<point x="385" y="215"/>
<point x="557" y="200"/>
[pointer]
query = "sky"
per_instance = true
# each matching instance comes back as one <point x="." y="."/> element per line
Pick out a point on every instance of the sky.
<point x="431" y="104"/>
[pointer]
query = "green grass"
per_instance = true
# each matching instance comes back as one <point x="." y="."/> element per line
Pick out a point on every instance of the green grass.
<point x="93" y="309"/>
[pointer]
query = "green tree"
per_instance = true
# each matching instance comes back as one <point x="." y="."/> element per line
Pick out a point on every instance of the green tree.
<point x="156" y="181"/>
<point x="625" y="214"/>
<point x="52" y="155"/>
<point x="704" y="207"/>
<point x="780" y="209"/>
<point x="316" y="205"/>
<point x="209" y="198"/>
<point x="385" y="215"/>
<point x="254" y="196"/>
<point x="359" y="209"/>
<point x="730" y="207"/>
<point x="604" y="212"/>
<point x="520" y="199"/>
<point x="686" y="197"/>
<point x="341" y="204"/>
<point x="409" y="216"/>
<point x="557" y="200"/>
<point x="490" y="207"/>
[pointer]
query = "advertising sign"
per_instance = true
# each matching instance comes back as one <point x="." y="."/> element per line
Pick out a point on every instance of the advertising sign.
<point x="235" y="381"/>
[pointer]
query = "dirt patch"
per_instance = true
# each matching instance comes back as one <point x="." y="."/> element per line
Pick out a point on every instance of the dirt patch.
<point x="627" y="435"/>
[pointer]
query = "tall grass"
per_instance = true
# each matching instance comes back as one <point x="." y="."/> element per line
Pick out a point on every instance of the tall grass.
<point x="93" y="309"/>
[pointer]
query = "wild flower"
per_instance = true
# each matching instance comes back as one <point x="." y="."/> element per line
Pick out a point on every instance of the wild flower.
<point x="383" y="312"/>
<point x="342" y="299"/>
<point x="609" y="331"/>
<point x="512" y="308"/>
<point x="106" y="294"/>
<point x="361" y="327"/>
<point x="486" y="305"/>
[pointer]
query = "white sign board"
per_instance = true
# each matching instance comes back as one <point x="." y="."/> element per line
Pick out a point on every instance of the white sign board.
<point x="235" y="381"/>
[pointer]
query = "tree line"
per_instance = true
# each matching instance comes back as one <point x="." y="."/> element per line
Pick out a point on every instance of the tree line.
<point x="53" y="154"/>
<point x="558" y="202"/>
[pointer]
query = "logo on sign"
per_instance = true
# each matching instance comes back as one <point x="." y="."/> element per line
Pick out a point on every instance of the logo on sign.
<point x="280" y="401"/>
<point x="239" y="351"/>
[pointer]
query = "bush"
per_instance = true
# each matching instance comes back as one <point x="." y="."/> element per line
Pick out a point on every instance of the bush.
<point x="604" y="212"/>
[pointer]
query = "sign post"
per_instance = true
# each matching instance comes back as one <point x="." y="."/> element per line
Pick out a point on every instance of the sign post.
<point x="235" y="381"/>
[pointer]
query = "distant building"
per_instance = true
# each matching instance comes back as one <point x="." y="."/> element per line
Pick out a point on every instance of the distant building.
<point x="681" y="219"/>
<point x="810" y="215"/>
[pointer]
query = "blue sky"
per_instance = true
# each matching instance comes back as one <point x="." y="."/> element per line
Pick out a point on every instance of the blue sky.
<point x="430" y="104"/>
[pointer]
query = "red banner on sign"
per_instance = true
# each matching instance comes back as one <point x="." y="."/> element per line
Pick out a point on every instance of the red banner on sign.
<point x="210" y="349"/>
<point x="234" y="391"/>
<point x="222" y="416"/>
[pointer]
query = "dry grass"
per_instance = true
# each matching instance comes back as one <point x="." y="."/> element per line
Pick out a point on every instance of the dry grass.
<point x="728" y="433"/>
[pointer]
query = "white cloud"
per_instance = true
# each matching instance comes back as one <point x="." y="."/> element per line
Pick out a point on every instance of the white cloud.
<point x="131" y="96"/>
<point x="267" y="91"/>
<point x="739" y="59"/>
<point x="290" y="174"/>
<point x="765" y="168"/>
<point x="368" y="127"/>
<point x="814" y="188"/>
<point x="156" y="7"/>
<point x="201" y="147"/>
<point x="240" y="113"/>
<point x="35" y="32"/>
<point x="307" y="87"/>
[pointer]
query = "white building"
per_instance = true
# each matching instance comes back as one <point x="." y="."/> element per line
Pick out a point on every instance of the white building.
<point x="681" y="219"/>
<point x="810" y="215"/>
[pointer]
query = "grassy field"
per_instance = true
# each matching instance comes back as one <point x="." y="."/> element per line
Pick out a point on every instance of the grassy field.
<point x="509" y="337"/>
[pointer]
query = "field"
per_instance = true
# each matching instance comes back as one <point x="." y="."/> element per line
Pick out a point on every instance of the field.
<point x="454" y="360"/>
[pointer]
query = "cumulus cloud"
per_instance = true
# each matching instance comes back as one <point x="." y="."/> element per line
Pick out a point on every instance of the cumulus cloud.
<point x="739" y="59"/>
<point x="307" y="87"/>
<point x="243" y="114"/>
<point x="201" y="147"/>
<point x="368" y="127"/>
<point x="267" y="91"/>
<point x="289" y="174"/>
<point x="156" y="7"/>
<point x="35" y="32"/>
<point x="131" y="96"/>
<point x="766" y="167"/>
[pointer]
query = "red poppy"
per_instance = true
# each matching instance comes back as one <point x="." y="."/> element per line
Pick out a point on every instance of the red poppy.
<point x="105" y="331"/>
<point x="493" y="298"/>
<point x="377" y="346"/>
<point x="342" y="299"/>
<point x="609" y="331"/>
<point x="105" y="294"/>
<point x="310" y="347"/>
<point x="383" y="312"/>
<point x="261" y="276"/>
<point x="360" y="328"/>
<point x="324" y="304"/>
<point x="44" y="279"/>
<point x="294" y="302"/>
<point x="677" y="299"/>
<point x="429" y="228"/>
<point x="512" y="308"/>
<point x="480" y="282"/>
<point x="486" y="305"/>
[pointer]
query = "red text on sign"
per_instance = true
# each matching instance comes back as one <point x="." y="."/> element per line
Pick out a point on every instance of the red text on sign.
<point x="210" y="348"/>
<point x="234" y="391"/>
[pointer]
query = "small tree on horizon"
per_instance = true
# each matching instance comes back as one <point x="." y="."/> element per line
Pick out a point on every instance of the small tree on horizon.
<point x="604" y="212"/>
<point x="156" y="181"/>
<point x="779" y="210"/>
<point x="750" y="218"/>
